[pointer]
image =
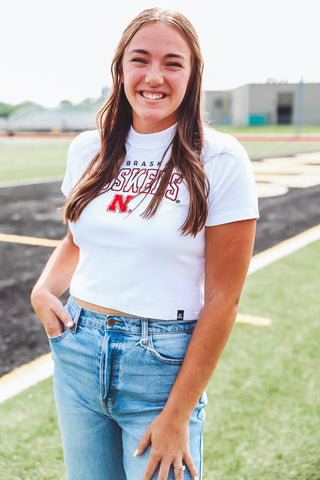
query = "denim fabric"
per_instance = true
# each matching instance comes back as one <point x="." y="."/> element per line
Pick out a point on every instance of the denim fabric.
<point x="112" y="377"/>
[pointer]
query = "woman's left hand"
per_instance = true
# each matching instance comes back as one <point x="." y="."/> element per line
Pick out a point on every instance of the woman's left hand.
<point x="169" y="441"/>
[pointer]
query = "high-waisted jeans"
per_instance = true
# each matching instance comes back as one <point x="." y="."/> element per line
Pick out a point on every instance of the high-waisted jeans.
<point x="112" y="377"/>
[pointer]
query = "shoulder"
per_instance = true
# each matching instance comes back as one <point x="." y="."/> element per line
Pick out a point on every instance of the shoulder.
<point x="81" y="151"/>
<point x="223" y="153"/>
<point x="232" y="195"/>
<point x="85" y="143"/>
<point x="218" y="144"/>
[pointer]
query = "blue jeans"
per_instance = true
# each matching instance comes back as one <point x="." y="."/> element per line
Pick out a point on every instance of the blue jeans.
<point x="112" y="377"/>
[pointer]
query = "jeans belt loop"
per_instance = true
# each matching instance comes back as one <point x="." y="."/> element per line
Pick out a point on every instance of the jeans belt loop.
<point x="76" y="319"/>
<point x="144" y="331"/>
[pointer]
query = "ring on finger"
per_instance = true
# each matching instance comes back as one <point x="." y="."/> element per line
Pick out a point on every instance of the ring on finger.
<point x="182" y="467"/>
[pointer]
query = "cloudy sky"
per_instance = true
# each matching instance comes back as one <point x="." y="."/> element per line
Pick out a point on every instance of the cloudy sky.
<point x="62" y="49"/>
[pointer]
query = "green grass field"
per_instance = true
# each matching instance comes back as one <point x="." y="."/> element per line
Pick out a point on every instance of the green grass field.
<point x="263" y="416"/>
<point x="31" y="158"/>
<point x="262" y="129"/>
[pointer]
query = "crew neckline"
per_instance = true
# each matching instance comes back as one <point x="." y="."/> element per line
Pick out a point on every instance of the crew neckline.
<point x="151" y="140"/>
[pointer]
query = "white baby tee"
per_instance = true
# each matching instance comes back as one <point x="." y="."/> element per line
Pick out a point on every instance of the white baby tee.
<point x="145" y="267"/>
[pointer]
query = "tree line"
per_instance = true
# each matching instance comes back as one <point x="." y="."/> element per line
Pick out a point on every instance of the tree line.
<point x="6" y="109"/>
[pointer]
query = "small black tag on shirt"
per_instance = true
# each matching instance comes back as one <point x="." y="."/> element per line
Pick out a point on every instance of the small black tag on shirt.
<point x="180" y="314"/>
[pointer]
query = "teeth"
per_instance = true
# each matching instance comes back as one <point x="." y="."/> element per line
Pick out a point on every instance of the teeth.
<point x="153" y="96"/>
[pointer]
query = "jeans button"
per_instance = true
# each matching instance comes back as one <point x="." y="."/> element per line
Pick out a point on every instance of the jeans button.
<point x="111" y="322"/>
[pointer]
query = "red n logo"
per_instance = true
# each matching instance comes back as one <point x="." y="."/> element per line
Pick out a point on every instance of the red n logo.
<point x="119" y="203"/>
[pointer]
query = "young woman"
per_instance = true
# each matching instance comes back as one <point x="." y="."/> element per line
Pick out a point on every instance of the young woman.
<point x="156" y="202"/>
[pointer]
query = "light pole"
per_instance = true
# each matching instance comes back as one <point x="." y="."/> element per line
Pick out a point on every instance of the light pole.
<point x="299" y="105"/>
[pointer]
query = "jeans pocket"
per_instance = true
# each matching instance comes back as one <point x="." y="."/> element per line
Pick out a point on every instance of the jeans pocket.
<point x="59" y="337"/>
<point x="74" y="314"/>
<point x="169" y="348"/>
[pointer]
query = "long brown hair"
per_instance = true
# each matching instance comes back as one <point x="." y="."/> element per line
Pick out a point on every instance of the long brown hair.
<point x="114" y="121"/>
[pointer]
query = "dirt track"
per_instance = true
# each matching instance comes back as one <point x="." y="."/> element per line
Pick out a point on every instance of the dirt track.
<point x="31" y="210"/>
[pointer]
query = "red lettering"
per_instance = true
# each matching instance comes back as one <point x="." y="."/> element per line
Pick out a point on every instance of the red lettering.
<point x="173" y="189"/>
<point x="120" y="181"/>
<point x="133" y="181"/>
<point x="151" y="175"/>
<point x="120" y="203"/>
<point x="156" y="183"/>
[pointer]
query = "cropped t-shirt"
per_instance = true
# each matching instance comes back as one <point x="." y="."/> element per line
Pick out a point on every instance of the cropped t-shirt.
<point x="147" y="267"/>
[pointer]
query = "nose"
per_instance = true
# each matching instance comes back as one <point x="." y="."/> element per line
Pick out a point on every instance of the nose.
<point x="154" y="75"/>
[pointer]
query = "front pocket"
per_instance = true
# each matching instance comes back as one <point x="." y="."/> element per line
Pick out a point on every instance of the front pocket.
<point x="169" y="348"/>
<point x="59" y="337"/>
<point x="74" y="314"/>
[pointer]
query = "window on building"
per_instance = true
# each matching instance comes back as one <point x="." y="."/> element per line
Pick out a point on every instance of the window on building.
<point x="285" y="108"/>
<point x="218" y="103"/>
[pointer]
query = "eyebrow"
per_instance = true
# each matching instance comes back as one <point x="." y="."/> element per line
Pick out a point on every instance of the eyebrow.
<point x="168" y="55"/>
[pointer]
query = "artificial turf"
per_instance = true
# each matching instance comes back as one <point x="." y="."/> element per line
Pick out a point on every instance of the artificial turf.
<point x="264" y="413"/>
<point x="30" y="158"/>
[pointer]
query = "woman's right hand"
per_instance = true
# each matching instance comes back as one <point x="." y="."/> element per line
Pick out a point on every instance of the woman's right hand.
<point x="51" y="312"/>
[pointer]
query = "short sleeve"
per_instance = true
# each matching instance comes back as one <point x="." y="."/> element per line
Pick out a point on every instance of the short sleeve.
<point x="233" y="193"/>
<point x="68" y="181"/>
<point x="81" y="151"/>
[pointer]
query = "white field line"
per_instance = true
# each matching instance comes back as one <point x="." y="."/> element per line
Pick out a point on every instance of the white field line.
<point x="39" y="242"/>
<point x="30" y="374"/>
<point x="24" y="377"/>
<point x="284" y="249"/>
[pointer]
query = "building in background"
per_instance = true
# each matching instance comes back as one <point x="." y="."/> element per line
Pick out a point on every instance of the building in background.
<point x="264" y="104"/>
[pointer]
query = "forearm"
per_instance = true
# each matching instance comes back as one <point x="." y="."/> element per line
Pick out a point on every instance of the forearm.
<point x="205" y="348"/>
<point x="225" y="273"/>
<point x="59" y="269"/>
<point x="53" y="282"/>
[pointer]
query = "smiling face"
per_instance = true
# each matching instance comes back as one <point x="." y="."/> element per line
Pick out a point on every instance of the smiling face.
<point x="156" y="68"/>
